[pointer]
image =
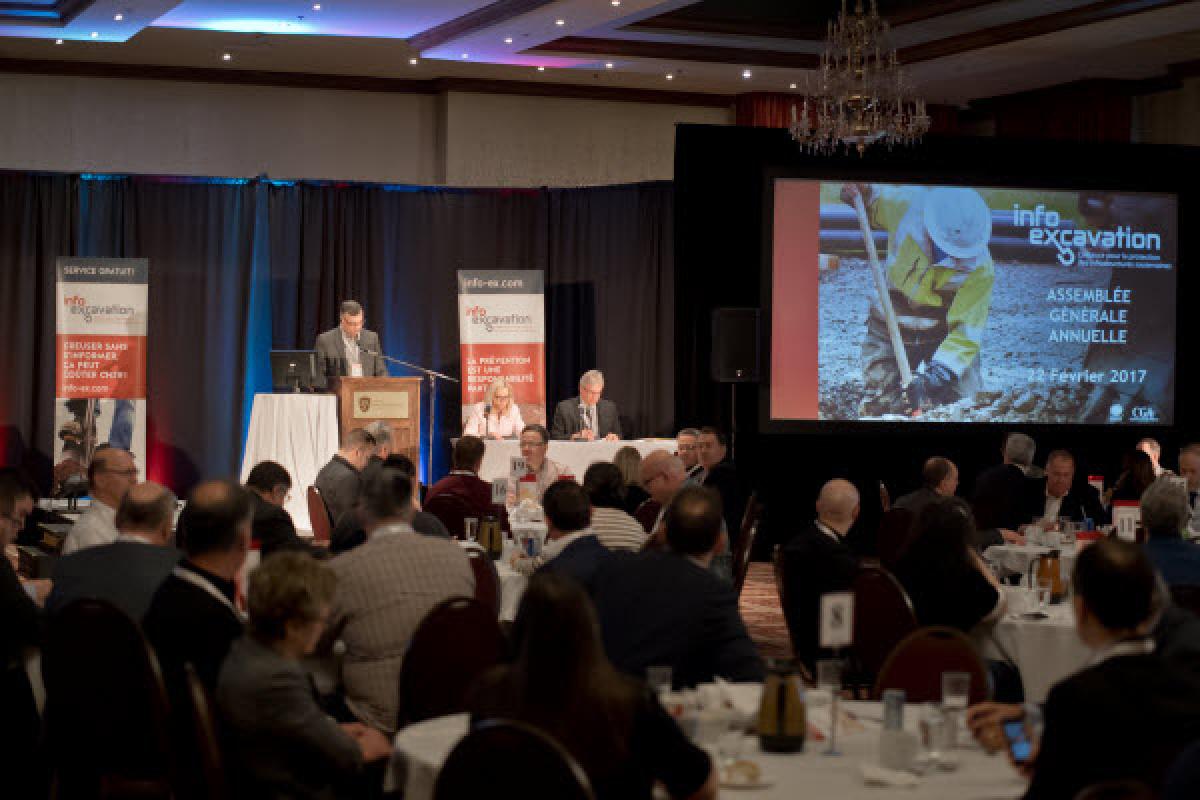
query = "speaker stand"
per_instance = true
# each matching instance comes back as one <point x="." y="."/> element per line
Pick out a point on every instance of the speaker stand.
<point x="733" y="420"/>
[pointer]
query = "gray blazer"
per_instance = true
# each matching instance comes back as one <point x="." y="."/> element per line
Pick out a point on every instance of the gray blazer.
<point x="331" y="354"/>
<point x="567" y="421"/>
<point x="126" y="574"/>
<point x="288" y="746"/>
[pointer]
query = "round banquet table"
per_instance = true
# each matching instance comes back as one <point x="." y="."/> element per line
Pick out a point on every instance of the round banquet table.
<point x="420" y="750"/>
<point x="1016" y="558"/>
<point x="1045" y="650"/>
<point x="512" y="583"/>
<point x="575" y="456"/>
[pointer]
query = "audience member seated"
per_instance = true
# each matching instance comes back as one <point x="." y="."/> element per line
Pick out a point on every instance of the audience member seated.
<point x="1189" y="470"/>
<point x="464" y="482"/>
<point x="572" y="548"/>
<point x="605" y="488"/>
<point x="1137" y="473"/>
<point x="687" y="447"/>
<point x="19" y="601"/>
<point x="498" y="416"/>
<point x="817" y="561"/>
<point x="349" y="532"/>
<point x="272" y="528"/>
<point x="110" y="475"/>
<point x="663" y="476"/>
<point x="629" y="461"/>
<point x="1130" y="712"/>
<point x="535" y="442"/>
<point x="1058" y="494"/>
<point x="281" y="743"/>
<point x="1152" y="448"/>
<point x="721" y="474"/>
<point x="668" y="609"/>
<point x="1165" y="515"/>
<point x="944" y="576"/>
<point x="939" y="478"/>
<point x="338" y="481"/>
<point x="562" y="683"/>
<point x="192" y="616"/>
<point x="998" y="501"/>
<point x="385" y="588"/>
<point x="129" y="571"/>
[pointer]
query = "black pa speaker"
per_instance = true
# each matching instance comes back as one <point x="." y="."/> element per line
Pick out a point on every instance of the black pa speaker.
<point x="735" y="345"/>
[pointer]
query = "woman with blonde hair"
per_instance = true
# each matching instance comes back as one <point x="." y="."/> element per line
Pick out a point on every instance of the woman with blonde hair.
<point x="498" y="416"/>
<point x="629" y="461"/>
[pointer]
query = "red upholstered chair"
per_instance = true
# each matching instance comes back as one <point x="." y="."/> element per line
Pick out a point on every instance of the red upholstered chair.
<point x="883" y="616"/>
<point x="487" y="583"/>
<point x="647" y="514"/>
<point x="457" y="640"/>
<point x="503" y="758"/>
<point x="106" y="706"/>
<point x="451" y="509"/>
<point x="917" y="664"/>
<point x="318" y="516"/>
<point x="895" y="534"/>
<point x="1117" y="790"/>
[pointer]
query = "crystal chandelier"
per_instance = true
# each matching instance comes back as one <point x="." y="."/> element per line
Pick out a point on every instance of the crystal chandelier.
<point x="861" y="96"/>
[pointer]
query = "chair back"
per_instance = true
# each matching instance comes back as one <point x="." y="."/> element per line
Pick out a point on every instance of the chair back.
<point x="1117" y="790"/>
<point x="647" y="514"/>
<point x="458" y="639"/>
<point x="504" y="758"/>
<point x="318" y="516"/>
<point x="895" y="534"/>
<point x="452" y="510"/>
<point x="487" y="582"/>
<point x="741" y="558"/>
<point x="917" y="663"/>
<point x="883" y="616"/>
<point x="106" y="704"/>
<point x="777" y="569"/>
<point x="1187" y="597"/>
<point x="209" y="769"/>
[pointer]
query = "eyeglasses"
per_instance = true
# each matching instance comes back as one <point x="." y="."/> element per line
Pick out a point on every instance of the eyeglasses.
<point x="533" y="444"/>
<point x="128" y="473"/>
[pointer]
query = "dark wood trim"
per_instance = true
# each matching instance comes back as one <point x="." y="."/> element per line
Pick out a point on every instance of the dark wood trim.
<point x="359" y="83"/>
<point x="681" y="21"/>
<point x="1027" y="28"/>
<point x="489" y="15"/>
<point x="637" y="48"/>
<point x="56" y="16"/>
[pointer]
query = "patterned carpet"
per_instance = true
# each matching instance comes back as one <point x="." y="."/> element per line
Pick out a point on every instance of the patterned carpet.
<point x="760" y="609"/>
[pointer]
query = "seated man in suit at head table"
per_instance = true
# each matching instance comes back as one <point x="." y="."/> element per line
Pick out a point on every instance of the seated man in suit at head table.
<point x="349" y="349"/>
<point x="587" y="417"/>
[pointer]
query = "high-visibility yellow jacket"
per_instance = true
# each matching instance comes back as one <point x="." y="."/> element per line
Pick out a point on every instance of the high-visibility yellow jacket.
<point x="955" y="292"/>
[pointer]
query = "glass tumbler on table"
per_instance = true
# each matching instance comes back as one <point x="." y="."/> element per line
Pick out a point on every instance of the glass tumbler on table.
<point x="956" y="693"/>
<point x="829" y="682"/>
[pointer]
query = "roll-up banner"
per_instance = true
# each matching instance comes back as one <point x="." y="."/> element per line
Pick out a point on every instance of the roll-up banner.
<point x="502" y="331"/>
<point x="100" y="384"/>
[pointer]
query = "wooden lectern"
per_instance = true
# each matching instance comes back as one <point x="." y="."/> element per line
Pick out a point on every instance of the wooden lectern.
<point x="396" y="401"/>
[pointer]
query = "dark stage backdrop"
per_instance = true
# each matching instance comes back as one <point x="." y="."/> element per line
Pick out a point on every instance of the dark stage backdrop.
<point x="241" y="266"/>
<point x="720" y="239"/>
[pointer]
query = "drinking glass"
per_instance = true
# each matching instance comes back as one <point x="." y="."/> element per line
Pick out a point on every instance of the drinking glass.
<point x="829" y="680"/>
<point x="1045" y="588"/>
<point x="956" y="689"/>
<point x="659" y="678"/>
<point x="932" y="727"/>
<point x="471" y="528"/>
<point x="733" y="739"/>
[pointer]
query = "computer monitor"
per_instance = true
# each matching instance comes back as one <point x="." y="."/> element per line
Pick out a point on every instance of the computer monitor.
<point x="295" y="371"/>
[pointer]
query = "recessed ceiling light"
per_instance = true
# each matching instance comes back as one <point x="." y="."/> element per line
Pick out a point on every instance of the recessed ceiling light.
<point x="95" y="34"/>
<point x="227" y="56"/>
<point x="793" y="86"/>
<point x="58" y="41"/>
<point x="747" y="73"/>
<point x="316" y="6"/>
<point x="616" y="2"/>
<point x="466" y="55"/>
<point x="541" y="69"/>
<point x="670" y="77"/>
<point x="118" y="17"/>
<point x="508" y="40"/>
<point x="560" y="22"/>
<point x="413" y="61"/>
<point x="608" y="65"/>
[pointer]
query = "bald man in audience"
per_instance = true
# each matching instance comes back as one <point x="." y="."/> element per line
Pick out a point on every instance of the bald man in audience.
<point x="1153" y="449"/>
<point x="816" y="562"/>
<point x="110" y="475"/>
<point x="663" y="475"/>
<point x="939" y="478"/>
<point x="129" y="571"/>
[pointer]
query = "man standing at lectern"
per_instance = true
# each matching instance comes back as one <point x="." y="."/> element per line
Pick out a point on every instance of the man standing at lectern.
<point x="348" y="349"/>
<point x="587" y="417"/>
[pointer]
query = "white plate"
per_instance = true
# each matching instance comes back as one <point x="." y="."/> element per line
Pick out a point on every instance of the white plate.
<point x="764" y="782"/>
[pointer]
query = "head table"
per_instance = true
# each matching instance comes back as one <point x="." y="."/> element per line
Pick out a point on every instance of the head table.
<point x="421" y="749"/>
<point x="575" y="456"/>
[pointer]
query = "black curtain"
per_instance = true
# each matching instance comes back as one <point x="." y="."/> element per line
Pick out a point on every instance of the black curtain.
<point x="238" y="267"/>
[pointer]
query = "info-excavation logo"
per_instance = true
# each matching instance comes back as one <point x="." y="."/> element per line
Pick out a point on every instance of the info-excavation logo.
<point x="1044" y="230"/>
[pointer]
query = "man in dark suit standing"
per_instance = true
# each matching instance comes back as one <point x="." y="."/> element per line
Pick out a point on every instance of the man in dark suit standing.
<point x="192" y="616"/>
<point x="587" y="417"/>
<point x="272" y="528"/>
<point x="129" y="571"/>
<point x="998" y="501"/>
<point x="1129" y="714"/>
<point x="720" y="474"/>
<point x="668" y="609"/>
<point x="349" y="349"/>
<point x="1057" y="494"/>
<point x="816" y="562"/>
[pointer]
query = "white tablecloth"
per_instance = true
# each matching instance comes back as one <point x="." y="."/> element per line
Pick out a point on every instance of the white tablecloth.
<point x="421" y="749"/>
<point x="299" y="431"/>
<point x="1045" y="651"/>
<point x="1016" y="558"/>
<point x="575" y="456"/>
